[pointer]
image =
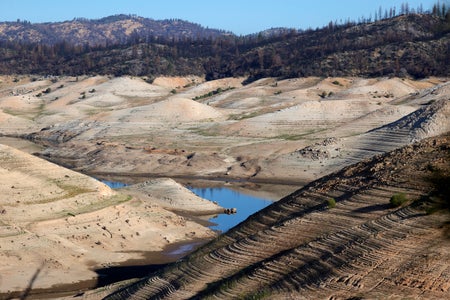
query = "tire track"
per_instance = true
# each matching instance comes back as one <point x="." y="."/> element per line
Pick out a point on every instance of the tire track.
<point x="299" y="246"/>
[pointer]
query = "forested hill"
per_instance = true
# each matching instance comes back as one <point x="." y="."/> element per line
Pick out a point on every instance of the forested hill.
<point x="117" y="29"/>
<point x="416" y="45"/>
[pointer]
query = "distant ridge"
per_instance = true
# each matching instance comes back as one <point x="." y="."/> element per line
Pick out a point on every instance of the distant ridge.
<point x="409" y="45"/>
<point x="109" y="30"/>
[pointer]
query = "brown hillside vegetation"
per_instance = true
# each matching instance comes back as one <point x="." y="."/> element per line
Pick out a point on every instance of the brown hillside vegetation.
<point x="303" y="247"/>
<point x="109" y="30"/>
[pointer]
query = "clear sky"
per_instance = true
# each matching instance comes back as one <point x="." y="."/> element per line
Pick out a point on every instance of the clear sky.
<point x="239" y="16"/>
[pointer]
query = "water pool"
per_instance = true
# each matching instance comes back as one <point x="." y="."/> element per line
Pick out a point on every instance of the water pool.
<point x="244" y="203"/>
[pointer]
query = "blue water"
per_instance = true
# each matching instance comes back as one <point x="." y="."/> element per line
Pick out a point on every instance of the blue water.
<point x="245" y="204"/>
<point x="114" y="184"/>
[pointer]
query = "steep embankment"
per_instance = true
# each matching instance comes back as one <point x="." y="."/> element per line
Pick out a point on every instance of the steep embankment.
<point x="304" y="246"/>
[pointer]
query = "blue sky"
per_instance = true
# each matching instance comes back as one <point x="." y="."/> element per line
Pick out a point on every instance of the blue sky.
<point x="239" y="16"/>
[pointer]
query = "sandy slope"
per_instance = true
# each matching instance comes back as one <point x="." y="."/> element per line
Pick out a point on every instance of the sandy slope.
<point x="66" y="224"/>
<point x="173" y="196"/>
<point x="254" y="131"/>
<point x="172" y="110"/>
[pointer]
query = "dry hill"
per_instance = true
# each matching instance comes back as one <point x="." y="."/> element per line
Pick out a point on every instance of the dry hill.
<point x="61" y="226"/>
<point x="337" y="238"/>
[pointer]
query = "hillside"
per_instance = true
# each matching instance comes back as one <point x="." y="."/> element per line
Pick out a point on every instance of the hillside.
<point x="290" y="131"/>
<point x="61" y="226"/>
<point x="268" y="131"/>
<point x="117" y="29"/>
<point x="413" y="45"/>
<point x="305" y="246"/>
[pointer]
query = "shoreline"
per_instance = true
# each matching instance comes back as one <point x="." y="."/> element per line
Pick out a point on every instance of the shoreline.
<point x="275" y="181"/>
<point x="122" y="271"/>
<point x="252" y="184"/>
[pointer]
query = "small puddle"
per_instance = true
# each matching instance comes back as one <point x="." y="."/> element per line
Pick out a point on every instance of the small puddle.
<point x="183" y="249"/>
<point x="151" y="262"/>
<point x="114" y="184"/>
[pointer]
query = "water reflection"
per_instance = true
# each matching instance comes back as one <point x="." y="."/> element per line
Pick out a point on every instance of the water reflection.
<point x="245" y="204"/>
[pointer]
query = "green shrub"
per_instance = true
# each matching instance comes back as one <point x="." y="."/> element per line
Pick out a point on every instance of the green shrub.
<point x="212" y="93"/>
<point x="398" y="199"/>
<point x="260" y="294"/>
<point x="331" y="203"/>
<point x="336" y="83"/>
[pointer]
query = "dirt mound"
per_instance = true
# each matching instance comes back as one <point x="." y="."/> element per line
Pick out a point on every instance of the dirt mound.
<point x="131" y="86"/>
<point x="428" y="121"/>
<point x="173" y="196"/>
<point x="172" y="110"/>
<point x="202" y="90"/>
<point x="103" y="100"/>
<point x="396" y="87"/>
<point x="301" y="119"/>
<point x="384" y="88"/>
